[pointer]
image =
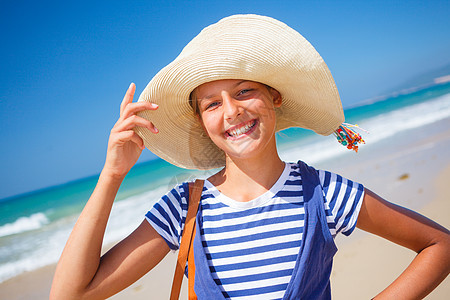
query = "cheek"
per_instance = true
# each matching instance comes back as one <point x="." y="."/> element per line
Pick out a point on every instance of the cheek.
<point x="209" y="124"/>
<point x="265" y="110"/>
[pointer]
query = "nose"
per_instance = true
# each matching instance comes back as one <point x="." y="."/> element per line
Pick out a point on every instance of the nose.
<point x="231" y="107"/>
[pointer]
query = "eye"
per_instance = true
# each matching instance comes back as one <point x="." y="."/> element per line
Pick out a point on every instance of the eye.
<point x="211" y="105"/>
<point x="244" y="91"/>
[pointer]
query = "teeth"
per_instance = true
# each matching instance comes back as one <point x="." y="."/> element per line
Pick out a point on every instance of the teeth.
<point x="238" y="131"/>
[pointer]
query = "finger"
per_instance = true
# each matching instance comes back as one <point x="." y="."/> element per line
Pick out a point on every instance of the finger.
<point x="128" y="98"/>
<point x="135" y="138"/>
<point x="133" y="108"/>
<point x="133" y="121"/>
<point x="129" y="136"/>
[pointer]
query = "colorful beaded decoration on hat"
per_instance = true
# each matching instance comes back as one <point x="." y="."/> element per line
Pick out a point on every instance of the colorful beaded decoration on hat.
<point x="348" y="137"/>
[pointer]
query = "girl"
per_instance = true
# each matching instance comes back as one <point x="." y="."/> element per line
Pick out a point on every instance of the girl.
<point x="265" y="228"/>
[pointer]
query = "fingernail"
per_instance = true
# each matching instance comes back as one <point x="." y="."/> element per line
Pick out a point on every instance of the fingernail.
<point x="154" y="105"/>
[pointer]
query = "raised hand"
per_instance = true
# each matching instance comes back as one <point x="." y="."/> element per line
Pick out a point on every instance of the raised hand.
<point x="124" y="145"/>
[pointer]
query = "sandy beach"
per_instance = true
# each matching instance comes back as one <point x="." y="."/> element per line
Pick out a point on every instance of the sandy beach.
<point x="413" y="171"/>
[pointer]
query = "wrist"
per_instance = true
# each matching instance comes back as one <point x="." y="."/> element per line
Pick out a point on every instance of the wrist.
<point x="107" y="175"/>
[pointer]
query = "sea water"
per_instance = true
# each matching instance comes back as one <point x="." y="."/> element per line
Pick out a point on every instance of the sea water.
<point x="34" y="227"/>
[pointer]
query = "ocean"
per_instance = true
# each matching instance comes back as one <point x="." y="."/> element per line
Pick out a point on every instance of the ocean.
<point x="35" y="226"/>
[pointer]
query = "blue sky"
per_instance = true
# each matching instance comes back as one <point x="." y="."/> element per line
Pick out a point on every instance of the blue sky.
<point x="65" y="65"/>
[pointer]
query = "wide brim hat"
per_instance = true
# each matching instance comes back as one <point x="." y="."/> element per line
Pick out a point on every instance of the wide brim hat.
<point x="248" y="47"/>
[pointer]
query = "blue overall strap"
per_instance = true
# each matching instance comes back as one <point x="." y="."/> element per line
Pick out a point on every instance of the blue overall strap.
<point x="205" y="287"/>
<point x="311" y="275"/>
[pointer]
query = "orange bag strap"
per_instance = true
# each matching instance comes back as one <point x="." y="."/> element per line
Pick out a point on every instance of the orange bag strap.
<point x="187" y="240"/>
<point x="191" y="268"/>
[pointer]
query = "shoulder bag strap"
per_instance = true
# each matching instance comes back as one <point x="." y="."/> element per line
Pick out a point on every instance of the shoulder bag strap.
<point x="191" y="267"/>
<point x="195" y="192"/>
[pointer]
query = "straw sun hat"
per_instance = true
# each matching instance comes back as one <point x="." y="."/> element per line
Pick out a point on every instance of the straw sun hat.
<point x="249" y="47"/>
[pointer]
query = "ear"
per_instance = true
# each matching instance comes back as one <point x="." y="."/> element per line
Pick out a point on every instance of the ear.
<point x="276" y="96"/>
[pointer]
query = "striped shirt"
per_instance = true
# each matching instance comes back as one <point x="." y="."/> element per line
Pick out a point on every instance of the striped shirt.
<point x="252" y="247"/>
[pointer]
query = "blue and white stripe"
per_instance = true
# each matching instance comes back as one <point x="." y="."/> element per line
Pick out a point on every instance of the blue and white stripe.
<point x="342" y="202"/>
<point x="252" y="246"/>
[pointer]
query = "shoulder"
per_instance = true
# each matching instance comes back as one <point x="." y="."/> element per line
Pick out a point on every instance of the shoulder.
<point x="335" y="185"/>
<point x="342" y="199"/>
<point x="168" y="214"/>
<point x="328" y="179"/>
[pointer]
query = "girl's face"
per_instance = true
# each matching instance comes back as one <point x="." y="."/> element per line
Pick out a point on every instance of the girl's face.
<point x="238" y="115"/>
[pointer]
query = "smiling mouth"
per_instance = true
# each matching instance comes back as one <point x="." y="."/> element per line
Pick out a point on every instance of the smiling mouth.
<point x="238" y="131"/>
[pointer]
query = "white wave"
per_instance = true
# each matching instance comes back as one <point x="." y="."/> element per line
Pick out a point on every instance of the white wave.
<point x="31" y="251"/>
<point x="406" y="118"/>
<point x="323" y="149"/>
<point x="22" y="224"/>
<point x="36" y="250"/>
<point x="380" y="127"/>
<point x="127" y="214"/>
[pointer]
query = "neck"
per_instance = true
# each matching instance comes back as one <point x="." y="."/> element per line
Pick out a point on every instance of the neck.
<point x="264" y="170"/>
<point x="244" y="179"/>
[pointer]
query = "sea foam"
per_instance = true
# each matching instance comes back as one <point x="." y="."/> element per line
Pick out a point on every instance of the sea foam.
<point x="406" y="118"/>
<point x="379" y="128"/>
<point x="44" y="245"/>
<point x="23" y="224"/>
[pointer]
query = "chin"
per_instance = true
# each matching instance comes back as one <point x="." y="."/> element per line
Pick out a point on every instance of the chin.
<point x="244" y="152"/>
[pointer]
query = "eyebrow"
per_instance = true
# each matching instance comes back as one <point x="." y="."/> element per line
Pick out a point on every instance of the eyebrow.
<point x="212" y="95"/>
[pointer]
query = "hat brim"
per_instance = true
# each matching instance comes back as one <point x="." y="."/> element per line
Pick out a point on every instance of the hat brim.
<point x="248" y="47"/>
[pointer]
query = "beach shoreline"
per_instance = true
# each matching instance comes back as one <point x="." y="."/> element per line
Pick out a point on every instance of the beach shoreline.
<point x="414" y="173"/>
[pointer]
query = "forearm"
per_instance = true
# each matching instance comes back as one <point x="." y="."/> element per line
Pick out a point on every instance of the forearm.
<point x="81" y="256"/>
<point x="80" y="265"/>
<point x="429" y="268"/>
